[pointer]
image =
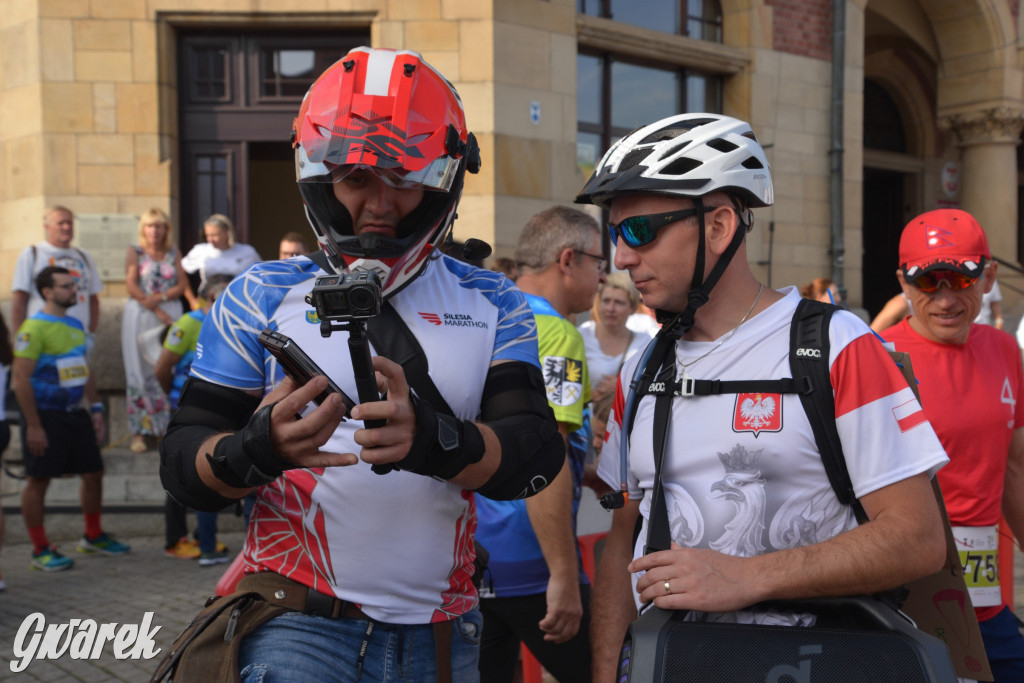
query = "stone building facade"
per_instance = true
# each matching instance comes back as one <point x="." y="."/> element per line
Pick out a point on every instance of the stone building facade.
<point x="113" y="107"/>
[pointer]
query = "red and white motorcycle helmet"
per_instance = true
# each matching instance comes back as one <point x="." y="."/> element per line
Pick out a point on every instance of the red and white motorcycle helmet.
<point x="391" y="113"/>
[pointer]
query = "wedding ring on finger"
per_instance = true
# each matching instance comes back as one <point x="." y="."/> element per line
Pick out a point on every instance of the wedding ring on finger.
<point x="668" y="589"/>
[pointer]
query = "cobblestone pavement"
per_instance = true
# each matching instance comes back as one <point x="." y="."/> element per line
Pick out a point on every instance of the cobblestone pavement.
<point x="105" y="589"/>
<point x="122" y="590"/>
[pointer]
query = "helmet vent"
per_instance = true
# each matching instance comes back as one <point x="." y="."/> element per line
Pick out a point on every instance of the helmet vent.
<point x="752" y="162"/>
<point x="674" y="131"/>
<point x="749" y="134"/>
<point x="680" y="167"/>
<point x="634" y="157"/>
<point x="722" y="145"/>
<point x="664" y="134"/>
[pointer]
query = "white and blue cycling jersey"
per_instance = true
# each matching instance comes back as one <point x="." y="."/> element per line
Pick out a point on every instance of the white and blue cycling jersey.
<point x="346" y="530"/>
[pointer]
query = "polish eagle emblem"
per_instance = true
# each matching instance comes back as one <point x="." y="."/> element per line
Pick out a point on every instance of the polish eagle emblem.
<point x="757" y="413"/>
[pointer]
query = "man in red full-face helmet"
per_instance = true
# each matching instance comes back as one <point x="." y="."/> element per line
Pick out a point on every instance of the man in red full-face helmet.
<point x="375" y="564"/>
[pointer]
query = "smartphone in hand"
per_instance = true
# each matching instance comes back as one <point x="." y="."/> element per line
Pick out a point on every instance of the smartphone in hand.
<point x="299" y="366"/>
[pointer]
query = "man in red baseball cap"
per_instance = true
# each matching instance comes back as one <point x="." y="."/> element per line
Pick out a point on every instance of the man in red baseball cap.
<point x="970" y="380"/>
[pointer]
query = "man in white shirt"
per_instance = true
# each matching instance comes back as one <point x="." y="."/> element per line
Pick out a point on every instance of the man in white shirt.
<point x="56" y="250"/>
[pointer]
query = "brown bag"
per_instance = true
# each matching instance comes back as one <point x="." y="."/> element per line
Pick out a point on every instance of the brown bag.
<point x="207" y="650"/>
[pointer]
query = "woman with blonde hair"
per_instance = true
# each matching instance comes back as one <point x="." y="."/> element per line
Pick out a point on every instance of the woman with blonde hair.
<point x="609" y="343"/>
<point x="155" y="281"/>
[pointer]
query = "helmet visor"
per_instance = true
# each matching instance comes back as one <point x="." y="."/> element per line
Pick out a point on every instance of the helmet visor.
<point x="437" y="176"/>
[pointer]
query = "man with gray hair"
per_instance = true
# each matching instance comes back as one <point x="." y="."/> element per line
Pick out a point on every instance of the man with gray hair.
<point x="534" y="591"/>
<point x="56" y="250"/>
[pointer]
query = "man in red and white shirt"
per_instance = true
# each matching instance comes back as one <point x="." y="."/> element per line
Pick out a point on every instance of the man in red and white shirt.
<point x="751" y="513"/>
<point x="970" y="380"/>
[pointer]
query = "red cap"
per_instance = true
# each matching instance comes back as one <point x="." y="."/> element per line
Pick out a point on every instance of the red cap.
<point x="945" y="239"/>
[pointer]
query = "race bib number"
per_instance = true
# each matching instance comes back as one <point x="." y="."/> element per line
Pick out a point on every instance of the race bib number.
<point x="72" y="371"/>
<point x="979" y="555"/>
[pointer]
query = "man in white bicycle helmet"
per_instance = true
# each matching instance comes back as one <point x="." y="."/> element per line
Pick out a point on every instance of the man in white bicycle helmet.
<point x="751" y="512"/>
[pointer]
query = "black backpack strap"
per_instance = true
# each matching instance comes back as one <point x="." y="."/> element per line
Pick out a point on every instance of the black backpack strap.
<point x="808" y="357"/>
<point x="659" y="536"/>
<point x="663" y="344"/>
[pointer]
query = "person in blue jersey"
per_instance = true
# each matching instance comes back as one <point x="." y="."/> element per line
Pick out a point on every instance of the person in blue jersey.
<point x="365" y="534"/>
<point x="535" y="591"/>
<point x="50" y="376"/>
<point x="171" y="372"/>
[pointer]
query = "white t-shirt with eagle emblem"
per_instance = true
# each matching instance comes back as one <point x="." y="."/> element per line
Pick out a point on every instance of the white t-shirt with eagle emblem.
<point x="742" y="473"/>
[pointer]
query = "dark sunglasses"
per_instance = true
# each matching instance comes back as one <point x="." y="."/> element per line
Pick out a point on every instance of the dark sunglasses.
<point x="636" y="231"/>
<point x="929" y="282"/>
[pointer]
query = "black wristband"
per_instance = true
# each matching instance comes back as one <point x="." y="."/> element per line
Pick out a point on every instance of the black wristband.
<point x="444" y="445"/>
<point x="246" y="458"/>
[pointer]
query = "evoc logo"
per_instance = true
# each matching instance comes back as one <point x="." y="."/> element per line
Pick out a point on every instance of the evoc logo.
<point x="656" y="388"/>
<point x="808" y="353"/>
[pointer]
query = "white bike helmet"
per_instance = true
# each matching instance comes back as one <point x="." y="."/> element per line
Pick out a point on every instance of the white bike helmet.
<point x="688" y="155"/>
<point x="391" y="113"/>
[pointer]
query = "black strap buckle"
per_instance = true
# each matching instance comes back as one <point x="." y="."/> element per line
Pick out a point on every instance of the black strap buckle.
<point x="322" y="605"/>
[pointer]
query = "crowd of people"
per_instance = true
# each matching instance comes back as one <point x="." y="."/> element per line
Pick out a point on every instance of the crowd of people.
<point x="55" y="313"/>
<point x="719" y="503"/>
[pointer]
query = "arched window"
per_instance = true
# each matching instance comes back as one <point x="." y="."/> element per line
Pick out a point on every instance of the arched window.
<point x="883" y="125"/>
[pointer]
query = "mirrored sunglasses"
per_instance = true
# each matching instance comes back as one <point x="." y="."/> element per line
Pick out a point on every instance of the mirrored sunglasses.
<point x="929" y="282"/>
<point x="636" y="231"/>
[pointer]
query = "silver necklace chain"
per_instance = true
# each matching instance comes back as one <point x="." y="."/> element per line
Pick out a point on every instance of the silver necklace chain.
<point x="683" y="366"/>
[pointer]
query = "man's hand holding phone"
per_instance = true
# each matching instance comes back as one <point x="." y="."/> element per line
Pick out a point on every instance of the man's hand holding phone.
<point x="299" y="440"/>
<point x="299" y="366"/>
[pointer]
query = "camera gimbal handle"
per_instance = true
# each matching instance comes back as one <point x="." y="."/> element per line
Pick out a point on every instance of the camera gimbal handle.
<point x="362" y="368"/>
<point x="362" y="364"/>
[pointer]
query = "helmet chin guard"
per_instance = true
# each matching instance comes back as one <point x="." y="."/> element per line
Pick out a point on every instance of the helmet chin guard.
<point x="391" y="114"/>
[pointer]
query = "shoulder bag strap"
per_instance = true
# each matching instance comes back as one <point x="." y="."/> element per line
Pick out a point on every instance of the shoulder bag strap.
<point x="393" y="339"/>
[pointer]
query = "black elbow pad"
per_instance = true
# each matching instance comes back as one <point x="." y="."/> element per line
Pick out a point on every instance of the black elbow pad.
<point x="205" y="409"/>
<point x="515" y="407"/>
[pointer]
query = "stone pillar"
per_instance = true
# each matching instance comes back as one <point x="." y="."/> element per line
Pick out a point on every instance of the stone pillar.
<point x="988" y="140"/>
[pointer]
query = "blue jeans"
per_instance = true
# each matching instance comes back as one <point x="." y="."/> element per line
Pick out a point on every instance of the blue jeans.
<point x="1004" y="646"/>
<point x="300" y="647"/>
<point x="206" y="531"/>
